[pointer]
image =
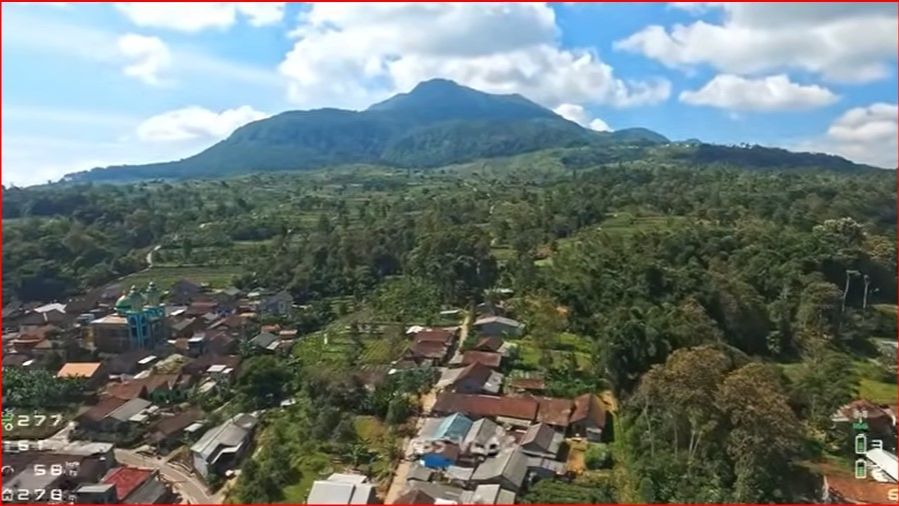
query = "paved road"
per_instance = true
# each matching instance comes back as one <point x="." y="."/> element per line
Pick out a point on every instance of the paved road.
<point x="191" y="489"/>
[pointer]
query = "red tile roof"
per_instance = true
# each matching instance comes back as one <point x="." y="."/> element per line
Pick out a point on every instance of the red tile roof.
<point x="492" y="343"/>
<point x="482" y="357"/>
<point x="428" y="349"/>
<point x="589" y="408"/>
<point x="486" y="405"/>
<point x="435" y="336"/>
<point x="554" y="411"/>
<point x="127" y="479"/>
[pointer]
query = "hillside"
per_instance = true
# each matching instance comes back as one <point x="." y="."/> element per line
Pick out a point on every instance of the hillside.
<point x="439" y="122"/>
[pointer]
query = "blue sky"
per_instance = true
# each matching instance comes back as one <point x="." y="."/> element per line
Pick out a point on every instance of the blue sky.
<point x="89" y="85"/>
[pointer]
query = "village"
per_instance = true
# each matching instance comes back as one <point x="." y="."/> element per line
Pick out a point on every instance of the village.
<point x="143" y="359"/>
<point x="481" y="434"/>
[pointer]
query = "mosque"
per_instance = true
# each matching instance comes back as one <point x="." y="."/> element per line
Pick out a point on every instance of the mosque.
<point x="137" y="323"/>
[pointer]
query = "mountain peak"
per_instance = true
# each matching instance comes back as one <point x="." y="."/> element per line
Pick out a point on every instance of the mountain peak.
<point x="444" y="100"/>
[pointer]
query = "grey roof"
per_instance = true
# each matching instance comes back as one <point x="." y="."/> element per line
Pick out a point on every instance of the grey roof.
<point x="264" y="339"/>
<point x="441" y="492"/>
<point x="419" y="472"/>
<point x="337" y="492"/>
<point x="483" y="432"/>
<point x="553" y="466"/>
<point x="499" y="319"/>
<point x="542" y="438"/>
<point x="95" y="488"/>
<point x="150" y="492"/>
<point x="124" y="412"/>
<point x="230" y="434"/>
<point x="505" y="497"/>
<point x="510" y="464"/>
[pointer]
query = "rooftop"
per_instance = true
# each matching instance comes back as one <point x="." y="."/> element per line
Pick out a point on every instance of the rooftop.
<point x="522" y="408"/>
<point x="78" y="369"/>
<point x="126" y="479"/>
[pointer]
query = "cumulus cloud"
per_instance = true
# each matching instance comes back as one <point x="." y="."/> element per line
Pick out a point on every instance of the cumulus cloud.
<point x="354" y="54"/>
<point x="772" y="93"/>
<point x="149" y="57"/>
<point x="577" y="113"/>
<point x="196" y="122"/>
<point x="194" y="17"/>
<point x="863" y="134"/>
<point x="850" y="42"/>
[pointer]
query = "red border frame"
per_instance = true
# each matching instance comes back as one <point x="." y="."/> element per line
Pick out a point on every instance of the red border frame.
<point x="342" y="1"/>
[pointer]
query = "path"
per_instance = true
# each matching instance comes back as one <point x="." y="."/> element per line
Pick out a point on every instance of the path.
<point x="398" y="484"/>
<point x="150" y="256"/>
<point x="188" y="485"/>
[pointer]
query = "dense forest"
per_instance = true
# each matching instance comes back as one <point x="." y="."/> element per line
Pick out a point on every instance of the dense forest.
<point x="697" y="294"/>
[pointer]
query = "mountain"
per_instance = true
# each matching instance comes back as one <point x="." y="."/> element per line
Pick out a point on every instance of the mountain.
<point x="439" y="122"/>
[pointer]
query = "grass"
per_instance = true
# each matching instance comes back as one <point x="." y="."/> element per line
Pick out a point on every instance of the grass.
<point x="567" y="343"/>
<point x="165" y="277"/>
<point x="871" y="381"/>
<point x="369" y="428"/>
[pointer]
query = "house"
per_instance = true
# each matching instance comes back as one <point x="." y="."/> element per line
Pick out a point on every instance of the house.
<point x="130" y="362"/>
<point x="555" y="411"/>
<point x="437" y="335"/>
<point x="840" y="489"/>
<point x="112" y="415"/>
<point x="266" y="341"/>
<point x="183" y="327"/>
<point x="472" y="379"/>
<point x="167" y="433"/>
<point x="93" y="373"/>
<point x="532" y="384"/>
<point x="542" y="440"/>
<point x="490" y="344"/>
<point x="419" y="492"/>
<point x="508" y="469"/>
<point x="183" y="291"/>
<point x="487" y="358"/>
<point x="589" y="417"/>
<point x="222" y="447"/>
<point x="279" y="304"/>
<point x="342" y="489"/>
<point x="492" y="494"/>
<point x="452" y="428"/>
<point x="498" y="326"/>
<point x="427" y="352"/>
<point x="485" y="438"/>
<point x="101" y="493"/>
<point x="520" y="411"/>
<point x="138" y="486"/>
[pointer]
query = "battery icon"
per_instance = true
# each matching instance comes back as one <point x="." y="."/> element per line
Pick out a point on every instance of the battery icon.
<point x="861" y="444"/>
<point x="861" y="469"/>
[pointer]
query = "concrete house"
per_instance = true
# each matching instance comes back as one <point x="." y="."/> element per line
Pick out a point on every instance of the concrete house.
<point x="508" y="469"/>
<point x="342" y="489"/>
<point x="499" y="326"/>
<point x="222" y="447"/>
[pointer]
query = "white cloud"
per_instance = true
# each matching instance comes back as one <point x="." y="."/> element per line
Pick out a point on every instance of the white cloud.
<point x="150" y="57"/>
<point x="196" y="123"/>
<point x="772" y="93"/>
<point x="354" y="54"/>
<point x="863" y="134"/>
<point x="579" y="115"/>
<point x="195" y="17"/>
<point x="851" y="42"/>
